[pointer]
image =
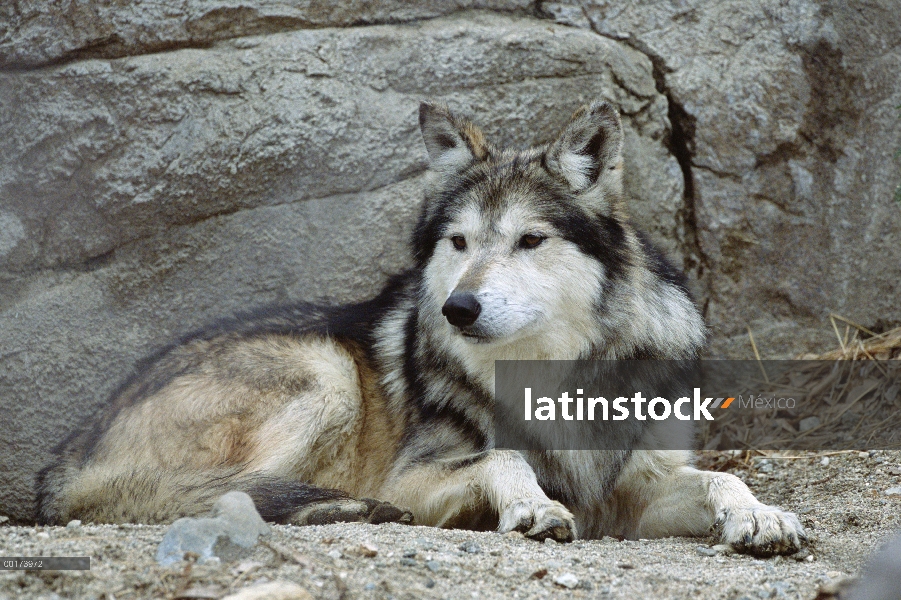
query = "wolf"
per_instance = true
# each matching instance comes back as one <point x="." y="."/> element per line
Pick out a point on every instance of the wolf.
<point x="383" y="410"/>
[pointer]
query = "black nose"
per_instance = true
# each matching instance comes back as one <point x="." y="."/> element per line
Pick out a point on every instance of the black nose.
<point x="461" y="309"/>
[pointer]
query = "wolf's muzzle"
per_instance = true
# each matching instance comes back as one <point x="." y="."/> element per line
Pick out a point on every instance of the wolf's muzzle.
<point x="461" y="309"/>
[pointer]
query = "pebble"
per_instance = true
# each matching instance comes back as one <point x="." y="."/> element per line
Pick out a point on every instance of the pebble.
<point x="863" y="455"/>
<point x="802" y="555"/>
<point x="364" y="549"/>
<point x="433" y="565"/>
<point x="567" y="580"/>
<point x="893" y="491"/>
<point x="825" y="461"/>
<point x="780" y="588"/>
<point x="724" y="549"/>
<point x="4" y="520"/>
<point x="227" y="535"/>
<point x="470" y="547"/>
<point x="271" y="590"/>
<point x="74" y="524"/>
<point x="408" y="562"/>
<point x="550" y="542"/>
<point x="808" y="424"/>
<point x="704" y="551"/>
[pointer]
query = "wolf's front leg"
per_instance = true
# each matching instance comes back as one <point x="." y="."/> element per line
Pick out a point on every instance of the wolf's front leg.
<point x="691" y="502"/>
<point x="499" y="482"/>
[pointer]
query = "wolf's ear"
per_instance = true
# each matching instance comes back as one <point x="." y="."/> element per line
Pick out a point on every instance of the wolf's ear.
<point x="453" y="143"/>
<point x="590" y="145"/>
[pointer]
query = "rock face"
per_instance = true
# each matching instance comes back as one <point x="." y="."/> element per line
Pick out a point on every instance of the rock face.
<point x="163" y="166"/>
<point x="787" y="121"/>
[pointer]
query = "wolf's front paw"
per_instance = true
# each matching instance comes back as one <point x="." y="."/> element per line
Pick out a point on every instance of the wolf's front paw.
<point x="539" y="519"/>
<point x="761" y="530"/>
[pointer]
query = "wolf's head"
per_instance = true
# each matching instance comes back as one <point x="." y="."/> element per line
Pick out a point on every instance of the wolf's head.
<point x="522" y="244"/>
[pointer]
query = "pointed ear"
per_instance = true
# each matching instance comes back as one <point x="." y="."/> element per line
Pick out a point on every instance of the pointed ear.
<point x="453" y="143"/>
<point x="591" y="144"/>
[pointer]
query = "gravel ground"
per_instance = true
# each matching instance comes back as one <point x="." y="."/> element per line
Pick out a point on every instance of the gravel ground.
<point x="842" y="504"/>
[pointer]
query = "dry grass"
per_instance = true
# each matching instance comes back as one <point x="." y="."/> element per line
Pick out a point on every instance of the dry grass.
<point x="848" y="398"/>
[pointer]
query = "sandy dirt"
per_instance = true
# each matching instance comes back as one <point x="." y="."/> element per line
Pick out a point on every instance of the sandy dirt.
<point x="842" y="504"/>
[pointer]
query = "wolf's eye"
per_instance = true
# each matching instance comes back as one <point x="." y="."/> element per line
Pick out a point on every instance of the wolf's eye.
<point x="459" y="242"/>
<point x="530" y="241"/>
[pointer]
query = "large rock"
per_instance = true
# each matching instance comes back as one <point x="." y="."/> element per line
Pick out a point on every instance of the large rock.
<point x="38" y="32"/>
<point x="145" y="196"/>
<point x="787" y="123"/>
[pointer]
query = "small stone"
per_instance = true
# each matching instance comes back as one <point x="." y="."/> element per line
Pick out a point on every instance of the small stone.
<point x="539" y="574"/>
<point x="892" y="470"/>
<point x="567" y="580"/>
<point x="228" y="535"/>
<point x="74" y="524"/>
<point x="42" y="535"/>
<point x="550" y="542"/>
<point x="863" y="455"/>
<point x="517" y="535"/>
<point x="825" y="461"/>
<point x="725" y="549"/>
<point x="433" y="566"/>
<point x="271" y="590"/>
<point x="409" y="553"/>
<point x="369" y="587"/>
<point x="833" y="574"/>
<point x="470" y="547"/>
<point x="247" y="566"/>
<point x="801" y="555"/>
<point x="808" y="424"/>
<point x="704" y="551"/>
<point x="429" y="582"/>
<point x="201" y="592"/>
<point x="364" y="550"/>
<point x="408" y="562"/>
<point x="4" y="520"/>
<point x="336" y="554"/>
<point x="893" y="491"/>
